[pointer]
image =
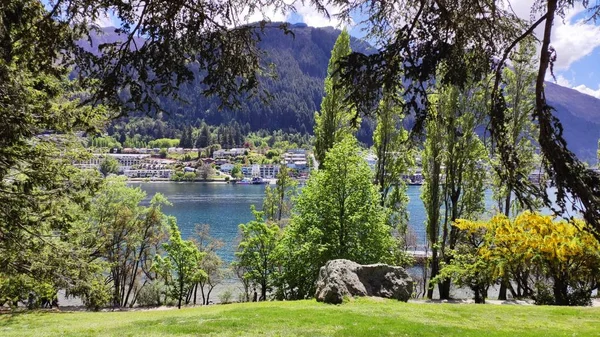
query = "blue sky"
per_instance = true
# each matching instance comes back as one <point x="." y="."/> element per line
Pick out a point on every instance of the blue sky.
<point x="577" y="42"/>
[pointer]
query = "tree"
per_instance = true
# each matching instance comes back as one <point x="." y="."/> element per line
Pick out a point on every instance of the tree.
<point x="463" y="156"/>
<point x="211" y="263"/>
<point x="431" y="193"/>
<point x="109" y="166"/>
<point x="469" y="38"/>
<point x="277" y="202"/>
<point x="181" y="266"/>
<point x="206" y="171"/>
<point x="394" y="159"/>
<point x="162" y="44"/>
<point x="519" y="91"/>
<point x="186" y="138"/>
<point x="203" y="137"/>
<point x="562" y="252"/>
<point x="337" y="216"/>
<point x="333" y="122"/>
<point x="125" y="235"/>
<point x="256" y="252"/>
<point x="236" y="171"/>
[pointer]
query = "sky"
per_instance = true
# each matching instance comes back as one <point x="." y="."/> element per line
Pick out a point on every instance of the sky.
<point x="577" y="42"/>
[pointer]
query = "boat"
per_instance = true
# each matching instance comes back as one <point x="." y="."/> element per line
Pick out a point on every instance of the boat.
<point x="244" y="181"/>
<point x="259" y="181"/>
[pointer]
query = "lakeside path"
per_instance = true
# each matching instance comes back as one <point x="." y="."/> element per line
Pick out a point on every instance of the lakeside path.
<point x="359" y="317"/>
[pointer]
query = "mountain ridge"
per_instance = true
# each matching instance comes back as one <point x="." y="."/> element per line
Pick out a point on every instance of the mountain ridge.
<point x="301" y="66"/>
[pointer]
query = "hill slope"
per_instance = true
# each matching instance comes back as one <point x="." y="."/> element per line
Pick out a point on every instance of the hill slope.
<point x="580" y="115"/>
<point x="301" y="65"/>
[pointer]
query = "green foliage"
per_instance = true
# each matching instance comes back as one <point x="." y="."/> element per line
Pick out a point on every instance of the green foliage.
<point x="236" y="171"/>
<point x="337" y="216"/>
<point x="226" y="296"/>
<point x="394" y="159"/>
<point x="97" y="295"/>
<point x="452" y="151"/>
<point x="277" y="203"/>
<point x="109" y="166"/>
<point x="211" y="263"/>
<point x="520" y="130"/>
<point x="256" y="252"/>
<point x="186" y="141"/>
<point x="120" y="238"/>
<point x="333" y="122"/>
<point x="151" y="294"/>
<point x="180" y="268"/>
<point x="104" y="142"/>
<point x="163" y="143"/>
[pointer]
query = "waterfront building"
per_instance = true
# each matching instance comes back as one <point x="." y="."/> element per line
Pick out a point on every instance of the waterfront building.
<point x="126" y="161"/>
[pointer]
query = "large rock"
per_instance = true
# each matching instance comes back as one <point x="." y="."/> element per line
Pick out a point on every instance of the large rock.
<point x="340" y="278"/>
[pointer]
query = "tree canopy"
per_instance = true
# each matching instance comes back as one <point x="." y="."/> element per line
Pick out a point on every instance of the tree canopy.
<point x="467" y="38"/>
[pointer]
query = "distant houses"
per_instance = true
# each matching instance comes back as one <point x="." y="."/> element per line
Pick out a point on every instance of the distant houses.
<point x="132" y="165"/>
<point x="144" y="163"/>
<point x="296" y="159"/>
<point x="220" y="154"/>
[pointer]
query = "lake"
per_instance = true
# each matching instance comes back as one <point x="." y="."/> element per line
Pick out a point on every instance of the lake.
<point x="225" y="206"/>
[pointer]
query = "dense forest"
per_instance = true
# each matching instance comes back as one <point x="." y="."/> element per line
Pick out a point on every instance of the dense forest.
<point x="300" y="63"/>
<point x="300" y="59"/>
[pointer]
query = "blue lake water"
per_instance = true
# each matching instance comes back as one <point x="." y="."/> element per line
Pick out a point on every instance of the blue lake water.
<point x="225" y="206"/>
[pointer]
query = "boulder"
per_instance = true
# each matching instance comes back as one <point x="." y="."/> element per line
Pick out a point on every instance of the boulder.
<point x="340" y="278"/>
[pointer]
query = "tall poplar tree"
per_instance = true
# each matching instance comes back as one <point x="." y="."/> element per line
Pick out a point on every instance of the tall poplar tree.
<point x="521" y="132"/>
<point x="455" y="177"/>
<point x="333" y="122"/>
<point x="394" y="156"/>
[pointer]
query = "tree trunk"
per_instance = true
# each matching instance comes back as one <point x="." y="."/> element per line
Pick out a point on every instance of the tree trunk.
<point x="434" y="271"/>
<point x="444" y="289"/>
<point x="560" y="289"/>
<point x="503" y="288"/>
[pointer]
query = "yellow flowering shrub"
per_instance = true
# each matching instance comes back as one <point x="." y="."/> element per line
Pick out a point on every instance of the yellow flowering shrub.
<point x="539" y="247"/>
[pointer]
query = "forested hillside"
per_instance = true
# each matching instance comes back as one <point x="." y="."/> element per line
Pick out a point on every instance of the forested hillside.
<point x="300" y="61"/>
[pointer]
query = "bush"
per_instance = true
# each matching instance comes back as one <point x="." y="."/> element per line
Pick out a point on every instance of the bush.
<point x="225" y="297"/>
<point x="150" y="294"/>
<point x="543" y="294"/>
<point x="97" y="295"/>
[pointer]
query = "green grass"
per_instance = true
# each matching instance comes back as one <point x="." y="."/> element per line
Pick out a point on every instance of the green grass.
<point x="363" y="317"/>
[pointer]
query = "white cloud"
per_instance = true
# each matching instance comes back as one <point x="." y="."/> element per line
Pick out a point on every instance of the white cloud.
<point x="573" y="40"/>
<point x="561" y="80"/>
<point x="105" y="21"/>
<point x="312" y="17"/>
<point x="584" y="89"/>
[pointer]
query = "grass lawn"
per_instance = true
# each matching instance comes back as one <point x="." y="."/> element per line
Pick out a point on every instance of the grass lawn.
<point x="363" y="317"/>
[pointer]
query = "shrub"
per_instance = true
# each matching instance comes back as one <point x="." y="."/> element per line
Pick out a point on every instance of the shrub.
<point x="225" y="297"/>
<point x="97" y="295"/>
<point x="150" y="294"/>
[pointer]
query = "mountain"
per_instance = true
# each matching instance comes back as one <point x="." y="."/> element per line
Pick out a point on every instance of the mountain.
<point x="301" y="64"/>
<point x="580" y="116"/>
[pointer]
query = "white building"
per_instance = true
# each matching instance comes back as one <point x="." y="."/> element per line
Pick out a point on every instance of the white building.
<point x="227" y="167"/>
<point x="263" y="171"/>
<point x="126" y="161"/>
<point x="148" y="173"/>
